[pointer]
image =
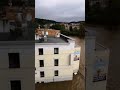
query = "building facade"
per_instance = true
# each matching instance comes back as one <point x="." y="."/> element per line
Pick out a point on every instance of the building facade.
<point x="17" y="65"/>
<point x="56" y="58"/>
<point x="96" y="64"/>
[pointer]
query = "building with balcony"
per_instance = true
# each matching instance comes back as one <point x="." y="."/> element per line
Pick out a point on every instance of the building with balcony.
<point x="57" y="57"/>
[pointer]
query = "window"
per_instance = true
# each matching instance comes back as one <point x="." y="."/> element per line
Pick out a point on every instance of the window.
<point x="40" y="51"/>
<point x="56" y="62"/>
<point x="42" y="74"/>
<point x="14" y="60"/>
<point x="15" y="85"/>
<point x="56" y="73"/>
<point x="41" y="63"/>
<point x="56" y="50"/>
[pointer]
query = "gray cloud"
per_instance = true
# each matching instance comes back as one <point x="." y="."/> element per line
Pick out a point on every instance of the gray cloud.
<point x="60" y="10"/>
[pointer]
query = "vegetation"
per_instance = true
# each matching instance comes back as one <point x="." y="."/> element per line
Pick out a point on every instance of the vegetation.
<point x="72" y="32"/>
<point x="44" y="21"/>
<point x="58" y="27"/>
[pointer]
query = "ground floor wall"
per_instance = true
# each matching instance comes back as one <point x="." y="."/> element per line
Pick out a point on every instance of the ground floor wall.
<point x="64" y="73"/>
<point x="24" y="75"/>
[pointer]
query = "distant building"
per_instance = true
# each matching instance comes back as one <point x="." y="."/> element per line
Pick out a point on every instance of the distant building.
<point x="73" y="25"/>
<point x="56" y="56"/>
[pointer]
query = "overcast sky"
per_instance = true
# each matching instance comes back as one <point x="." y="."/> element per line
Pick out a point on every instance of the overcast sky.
<point x="60" y="10"/>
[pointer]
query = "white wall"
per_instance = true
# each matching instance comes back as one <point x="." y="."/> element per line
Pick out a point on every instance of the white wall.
<point x="65" y="68"/>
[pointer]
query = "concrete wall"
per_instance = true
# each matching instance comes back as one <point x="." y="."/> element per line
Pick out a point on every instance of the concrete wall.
<point x="90" y="55"/>
<point x="26" y="71"/>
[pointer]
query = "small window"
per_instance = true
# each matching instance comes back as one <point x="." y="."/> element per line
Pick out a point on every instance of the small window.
<point x="40" y="51"/>
<point x="15" y="85"/>
<point x="56" y="62"/>
<point x="56" y="50"/>
<point x="56" y="73"/>
<point x="41" y="63"/>
<point x="14" y="60"/>
<point x="42" y="74"/>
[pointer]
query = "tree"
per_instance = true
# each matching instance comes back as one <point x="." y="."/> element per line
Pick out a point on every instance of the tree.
<point x="82" y="30"/>
<point x="75" y="29"/>
<point x="58" y="27"/>
<point x="71" y="29"/>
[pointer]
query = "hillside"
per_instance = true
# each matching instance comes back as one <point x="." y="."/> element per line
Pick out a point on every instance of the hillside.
<point x="44" y="21"/>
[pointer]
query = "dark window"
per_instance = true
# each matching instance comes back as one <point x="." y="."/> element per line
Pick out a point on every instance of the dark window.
<point x="42" y="74"/>
<point x="14" y="60"/>
<point x="40" y="51"/>
<point x="56" y="62"/>
<point x="41" y="63"/>
<point x="56" y="73"/>
<point x="56" y="50"/>
<point x="15" y="85"/>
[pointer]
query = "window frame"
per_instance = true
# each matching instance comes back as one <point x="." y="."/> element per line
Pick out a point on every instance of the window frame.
<point x="55" y="62"/>
<point x="41" y="51"/>
<point x="14" y="82"/>
<point x="55" y="73"/>
<point x="40" y="63"/>
<point x="57" y="51"/>
<point x="42" y="76"/>
<point x="16" y="63"/>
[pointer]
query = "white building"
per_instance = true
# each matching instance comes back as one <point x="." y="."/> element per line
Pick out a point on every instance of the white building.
<point x="56" y="58"/>
<point x="17" y="65"/>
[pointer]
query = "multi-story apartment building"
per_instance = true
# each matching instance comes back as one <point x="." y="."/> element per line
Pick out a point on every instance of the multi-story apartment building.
<point x="17" y="65"/>
<point x="57" y="57"/>
<point x="16" y="50"/>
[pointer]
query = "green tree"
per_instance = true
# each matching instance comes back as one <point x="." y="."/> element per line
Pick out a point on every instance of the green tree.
<point x="81" y="30"/>
<point x="58" y="27"/>
<point x="71" y="29"/>
<point x="75" y="29"/>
